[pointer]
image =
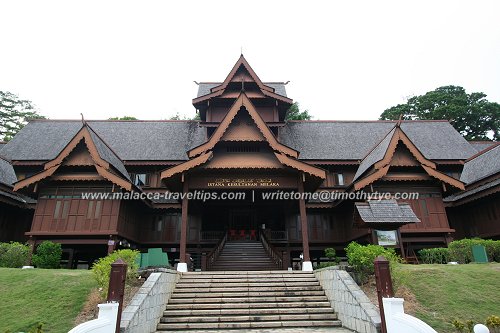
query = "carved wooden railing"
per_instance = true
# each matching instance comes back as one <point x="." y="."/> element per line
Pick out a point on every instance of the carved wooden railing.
<point x="276" y="257"/>
<point x="208" y="260"/>
<point x="211" y="235"/>
<point x="279" y="235"/>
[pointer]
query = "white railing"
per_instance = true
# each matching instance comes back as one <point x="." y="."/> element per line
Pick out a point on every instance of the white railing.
<point x="398" y="321"/>
<point x="105" y="322"/>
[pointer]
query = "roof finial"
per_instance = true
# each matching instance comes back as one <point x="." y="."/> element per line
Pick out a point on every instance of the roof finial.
<point x="83" y="119"/>
<point x="400" y="120"/>
<point x="241" y="51"/>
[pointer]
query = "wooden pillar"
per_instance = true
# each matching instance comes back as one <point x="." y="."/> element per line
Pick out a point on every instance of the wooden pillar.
<point x="306" y="265"/>
<point x="182" y="266"/>
<point x="111" y="244"/>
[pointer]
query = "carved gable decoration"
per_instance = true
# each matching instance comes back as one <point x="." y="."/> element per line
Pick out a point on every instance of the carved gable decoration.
<point x="397" y="150"/>
<point x="242" y="128"/>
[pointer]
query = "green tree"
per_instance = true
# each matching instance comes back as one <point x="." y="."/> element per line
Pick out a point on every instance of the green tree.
<point x="471" y="114"/>
<point x="123" y="118"/>
<point x="294" y="113"/>
<point x="14" y="114"/>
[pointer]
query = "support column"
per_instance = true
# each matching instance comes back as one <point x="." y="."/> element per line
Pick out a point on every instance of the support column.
<point x="182" y="265"/>
<point x="306" y="263"/>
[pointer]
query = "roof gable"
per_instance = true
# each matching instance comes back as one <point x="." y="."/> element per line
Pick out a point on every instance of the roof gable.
<point x="104" y="160"/>
<point x="241" y="72"/>
<point x="243" y="102"/>
<point x="379" y="161"/>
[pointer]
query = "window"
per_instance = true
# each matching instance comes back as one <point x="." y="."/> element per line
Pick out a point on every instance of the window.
<point x="140" y="179"/>
<point x="57" y="210"/>
<point x="339" y="179"/>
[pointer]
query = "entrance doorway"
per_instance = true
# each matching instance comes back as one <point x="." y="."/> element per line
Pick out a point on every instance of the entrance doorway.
<point x="242" y="225"/>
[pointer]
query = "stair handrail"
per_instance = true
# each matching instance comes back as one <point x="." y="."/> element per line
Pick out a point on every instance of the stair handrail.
<point x="271" y="251"/>
<point x="214" y="254"/>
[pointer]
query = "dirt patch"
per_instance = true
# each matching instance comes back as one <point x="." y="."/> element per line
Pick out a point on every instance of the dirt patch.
<point x="411" y="305"/>
<point x="90" y="310"/>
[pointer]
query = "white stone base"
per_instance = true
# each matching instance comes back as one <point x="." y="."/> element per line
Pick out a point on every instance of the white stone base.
<point x="307" y="266"/>
<point x="182" y="267"/>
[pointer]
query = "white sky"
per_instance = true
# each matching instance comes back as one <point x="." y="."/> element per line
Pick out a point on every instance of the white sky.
<point x="345" y="59"/>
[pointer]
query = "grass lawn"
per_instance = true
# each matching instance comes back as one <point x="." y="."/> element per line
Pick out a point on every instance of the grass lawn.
<point x="448" y="292"/>
<point x="52" y="296"/>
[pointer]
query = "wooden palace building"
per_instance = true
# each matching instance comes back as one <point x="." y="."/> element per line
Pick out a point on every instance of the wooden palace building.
<point x="242" y="173"/>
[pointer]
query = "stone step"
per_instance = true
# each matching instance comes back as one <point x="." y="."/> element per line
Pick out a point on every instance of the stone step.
<point x="250" y="280"/>
<point x="246" y="289"/>
<point x="244" y="284"/>
<point x="233" y="294"/>
<point x="248" y="311"/>
<point x="249" y="325"/>
<point x="255" y="305"/>
<point x="243" y="318"/>
<point x="240" y="273"/>
<point x="254" y="299"/>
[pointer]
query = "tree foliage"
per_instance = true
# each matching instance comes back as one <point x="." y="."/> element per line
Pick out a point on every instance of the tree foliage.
<point x="471" y="114"/>
<point x="123" y="118"/>
<point x="14" y="114"/>
<point x="294" y="113"/>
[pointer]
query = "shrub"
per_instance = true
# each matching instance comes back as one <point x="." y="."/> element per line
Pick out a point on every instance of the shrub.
<point x="493" y="323"/>
<point x="101" y="269"/>
<point x="47" y="255"/>
<point x="361" y="258"/>
<point x="13" y="254"/>
<point x="461" y="250"/>
<point x="438" y="255"/>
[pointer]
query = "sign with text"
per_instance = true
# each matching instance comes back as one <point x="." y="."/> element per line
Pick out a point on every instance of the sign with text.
<point x="242" y="182"/>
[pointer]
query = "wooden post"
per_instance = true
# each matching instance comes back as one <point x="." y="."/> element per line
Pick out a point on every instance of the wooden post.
<point x="303" y="222"/>
<point x="384" y="286"/>
<point x="182" y="266"/>
<point x="31" y="244"/>
<point x="204" y="261"/>
<point x="286" y="259"/>
<point x="116" y="288"/>
<point x="111" y="244"/>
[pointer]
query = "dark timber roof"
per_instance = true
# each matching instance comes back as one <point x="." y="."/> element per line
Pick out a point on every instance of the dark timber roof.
<point x="130" y="140"/>
<point x="108" y="155"/>
<point x="353" y="140"/>
<point x="375" y="155"/>
<point x="7" y="174"/>
<point x="386" y="211"/>
<point x="204" y="87"/>
<point x="482" y="166"/>
<point x="481" y="145"/>
<point x="170" y="140"/>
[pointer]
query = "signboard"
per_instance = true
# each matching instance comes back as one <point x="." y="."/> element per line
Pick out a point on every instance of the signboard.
<point x="231" y="182"/>
<point x="387" y="238"/>
<point x="243" y="182"/>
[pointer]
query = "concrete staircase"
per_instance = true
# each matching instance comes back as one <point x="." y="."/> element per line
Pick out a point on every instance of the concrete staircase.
<point x="247" y="300"/>
<point x="247" y="255"/>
